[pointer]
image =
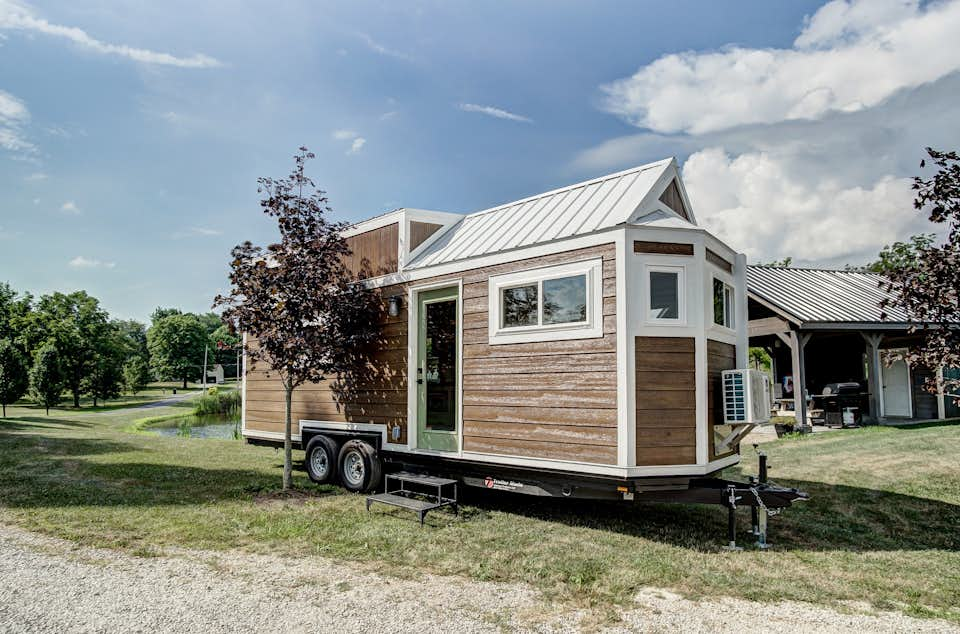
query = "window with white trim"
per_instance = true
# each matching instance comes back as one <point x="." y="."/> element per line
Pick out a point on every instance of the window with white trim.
<point x="550" y="303"/>
<point x="722" y="303"/>
<point x="665" y="294"/>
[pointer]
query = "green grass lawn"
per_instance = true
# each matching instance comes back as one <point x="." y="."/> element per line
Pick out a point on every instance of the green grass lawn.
<point x="883" y="524"/>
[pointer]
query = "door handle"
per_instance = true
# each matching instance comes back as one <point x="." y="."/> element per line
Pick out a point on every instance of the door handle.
<point x="419" y="376"/>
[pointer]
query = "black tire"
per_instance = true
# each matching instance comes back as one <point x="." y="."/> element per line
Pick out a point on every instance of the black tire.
<point x="359" y="466"/>
<point x="321" y="459"/>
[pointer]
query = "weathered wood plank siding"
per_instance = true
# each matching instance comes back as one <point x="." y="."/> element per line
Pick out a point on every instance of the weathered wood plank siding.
<point x="420" y="231"/>
<point x="666" y="400"/>
<point x="374" y="252"/>
<point x="552" y="399"/>
<point x="720" y="356"/>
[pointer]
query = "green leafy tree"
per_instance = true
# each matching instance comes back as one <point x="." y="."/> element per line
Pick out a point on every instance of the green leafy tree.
<point x="211" y="322"/>
<point x="13" y="374"/>
<point x="223" y="346"/>
<point x="310" y="318"/>
<point x="925" y="283"/>
<point x="134" y="336"/>
<point x="46" y="377"/>
<point x="176" y="345"/>
<point x="784" y="263"/>
<point x="75" y="324"/>
<point x="902" y="255"/>
<point x="105" y="377"/>
<point x="136" y="374"/>
<point x="15" y="315"/>
<point x="161" y="312"/>
<point x="760" y="358"/>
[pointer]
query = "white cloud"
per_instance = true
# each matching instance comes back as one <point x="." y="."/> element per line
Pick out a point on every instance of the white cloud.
<point x="357" y="145"/>
<point x="17" y="16"/>
<point x="36" y="201"/>
<point x="6" y="234"/>
<point x="197" y="232"/>
<point x="380" y="49"/>
<point x="357" y="141"/>
<point x="35" y="177"/>
<point x="81" y="262"/>
<point x="764" y="207"/>
<point x="492" y="111"/>
<point x="849" y="56"/>
<point x="14" y="115"/>
<point x="70" y="208"/>
<point x="386" y="116"/>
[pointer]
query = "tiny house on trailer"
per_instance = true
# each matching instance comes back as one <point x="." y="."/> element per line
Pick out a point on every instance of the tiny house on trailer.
<point x="570" y="343"/>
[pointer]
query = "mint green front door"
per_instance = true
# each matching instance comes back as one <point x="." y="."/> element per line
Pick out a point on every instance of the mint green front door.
<point x="437" y="371"/>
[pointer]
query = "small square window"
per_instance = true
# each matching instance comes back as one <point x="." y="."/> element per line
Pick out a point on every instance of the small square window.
<point x="520" y="306"/>
<point x="664" y="295"/>
<point x="565" y="300"/>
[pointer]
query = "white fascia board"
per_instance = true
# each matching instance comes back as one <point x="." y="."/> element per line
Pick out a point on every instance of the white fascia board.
<point x="446" y="221"/>
<point x="373" y="223"/>
<point x="683" y="194"/>
<point x="720" y="247"/>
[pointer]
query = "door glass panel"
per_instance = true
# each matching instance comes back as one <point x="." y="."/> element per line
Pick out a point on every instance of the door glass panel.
<point x="440" y="377"/>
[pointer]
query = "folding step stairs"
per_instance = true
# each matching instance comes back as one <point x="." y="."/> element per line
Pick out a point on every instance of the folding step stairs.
<point x="416" y="492"/>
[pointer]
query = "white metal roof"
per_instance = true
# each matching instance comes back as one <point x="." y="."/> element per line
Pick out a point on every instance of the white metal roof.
<point x="574" y="210"/>
<point x="822" y="296"/>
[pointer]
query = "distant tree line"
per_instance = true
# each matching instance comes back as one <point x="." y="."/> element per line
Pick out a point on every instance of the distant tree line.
<point x="66" y="344"/>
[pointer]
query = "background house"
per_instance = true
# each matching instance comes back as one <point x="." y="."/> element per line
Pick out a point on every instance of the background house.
<point x="823" y="327"/>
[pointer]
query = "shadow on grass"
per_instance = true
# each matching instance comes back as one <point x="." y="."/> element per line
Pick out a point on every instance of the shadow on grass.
<point x="41" y="471"/>
<point x="836" y="518"/>
<point x="21" y="423"/>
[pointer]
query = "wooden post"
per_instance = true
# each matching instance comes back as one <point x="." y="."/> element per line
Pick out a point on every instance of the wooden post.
<point x="798" y="342"/>
<point x="875" y="385"/>
<point x="941" y="397"/>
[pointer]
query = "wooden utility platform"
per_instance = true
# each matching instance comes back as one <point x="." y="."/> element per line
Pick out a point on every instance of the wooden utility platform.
<point x="397" y="494"/>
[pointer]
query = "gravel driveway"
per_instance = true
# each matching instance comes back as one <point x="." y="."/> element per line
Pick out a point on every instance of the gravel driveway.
<point x="48" y="585"/>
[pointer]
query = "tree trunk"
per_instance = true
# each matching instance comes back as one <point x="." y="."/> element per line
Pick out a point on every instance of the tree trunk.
<point x="4" y="410"/>
<point x="76" y="399"/>
<point x="287" y="444"/>
<point x="94" y="401"/>
<point x="184" y="382"/>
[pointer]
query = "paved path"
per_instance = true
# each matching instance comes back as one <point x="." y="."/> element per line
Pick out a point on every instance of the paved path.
<point x="49" y="585"/>
<point x="173" y="399"/>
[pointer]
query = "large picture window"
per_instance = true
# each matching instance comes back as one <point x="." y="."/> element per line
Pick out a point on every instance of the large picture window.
<point x="722" y="303"/>
<point x="558" y="302"/>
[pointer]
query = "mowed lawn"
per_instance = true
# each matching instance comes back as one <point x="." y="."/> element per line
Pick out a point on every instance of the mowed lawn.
<point x="882" y="527"/>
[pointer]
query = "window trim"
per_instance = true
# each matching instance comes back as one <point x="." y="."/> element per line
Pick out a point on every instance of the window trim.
<point x="681" y="272"/>
<point x="729" y="311"/>
<point x="591" y="328"/>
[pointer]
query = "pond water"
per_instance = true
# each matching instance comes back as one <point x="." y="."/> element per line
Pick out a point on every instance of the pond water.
<point x="222" y="427"/>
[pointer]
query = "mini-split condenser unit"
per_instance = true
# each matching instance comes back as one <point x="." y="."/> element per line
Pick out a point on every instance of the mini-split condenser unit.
<point x="746" y="397"/>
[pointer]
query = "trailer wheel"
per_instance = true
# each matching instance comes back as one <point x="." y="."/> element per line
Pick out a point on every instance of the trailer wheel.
<point x="359" y="466"/>
<point x="321" y="459"/>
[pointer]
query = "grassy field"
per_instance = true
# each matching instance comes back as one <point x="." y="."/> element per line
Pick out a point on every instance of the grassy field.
<point x="882" y="527"/>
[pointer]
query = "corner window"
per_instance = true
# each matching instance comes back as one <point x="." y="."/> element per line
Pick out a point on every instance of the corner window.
<point x="665" y="294"/>
<point x="557" y="302"/>
<point x="722" y="303"/>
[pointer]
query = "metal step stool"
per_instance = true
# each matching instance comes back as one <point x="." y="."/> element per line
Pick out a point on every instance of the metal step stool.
<point x="396" y="493"/>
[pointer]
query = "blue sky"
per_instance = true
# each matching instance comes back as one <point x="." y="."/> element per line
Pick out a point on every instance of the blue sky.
<point x="132" y="133"/>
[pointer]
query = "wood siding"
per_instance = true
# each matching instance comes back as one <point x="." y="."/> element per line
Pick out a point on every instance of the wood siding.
<point x="666" y="400"/>
<point x="671" y="198"/>
<point x="374" y="252"/>
<point x="720" y="356"/>
<point x="719" y="261"/>
<point x="664" y="248"/>
<point x="420" y="231"/>
<point x="552" y="399"/>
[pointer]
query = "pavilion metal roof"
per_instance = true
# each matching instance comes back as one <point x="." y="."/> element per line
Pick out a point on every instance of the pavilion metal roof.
<point x="822" y="296"/>
<point x="578" y="209"/>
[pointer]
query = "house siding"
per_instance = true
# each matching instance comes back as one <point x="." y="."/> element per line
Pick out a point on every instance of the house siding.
<point x="553" y="400"/>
